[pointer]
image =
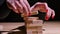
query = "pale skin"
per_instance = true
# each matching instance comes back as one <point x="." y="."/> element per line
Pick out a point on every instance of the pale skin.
<point x="22" y="6"/>
<point x="43" y="9"/>
<point x="21" y="3"/>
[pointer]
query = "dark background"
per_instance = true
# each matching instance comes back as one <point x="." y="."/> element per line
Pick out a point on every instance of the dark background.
<point x="12" y="16"/>
<point x="55" y="4"/>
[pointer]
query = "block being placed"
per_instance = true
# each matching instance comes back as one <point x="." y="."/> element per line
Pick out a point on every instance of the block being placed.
<point x="34" y="12"/>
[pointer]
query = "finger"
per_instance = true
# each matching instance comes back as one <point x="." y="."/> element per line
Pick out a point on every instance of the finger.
<point x="18" y="4"/>
<point x="47" y="17"/>
<point x="53" y="14"/>
<point x="11" y="4"/>
<point x="19" y="7"/>
<point x="48" y="13"/>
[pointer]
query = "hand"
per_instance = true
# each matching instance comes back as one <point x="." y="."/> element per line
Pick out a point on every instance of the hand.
<point x="48" y="10"/>
<point x="15" y="5"/>
<point x="21" y="6"/>
<point x="50" y="13"/>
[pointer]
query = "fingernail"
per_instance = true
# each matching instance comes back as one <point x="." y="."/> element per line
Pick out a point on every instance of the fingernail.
<point x="46" y="18"/>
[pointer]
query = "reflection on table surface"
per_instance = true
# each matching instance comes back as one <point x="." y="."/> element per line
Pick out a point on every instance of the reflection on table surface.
<point x="9" y="26"/>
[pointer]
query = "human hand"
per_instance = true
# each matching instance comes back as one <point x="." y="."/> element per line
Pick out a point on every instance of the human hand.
<point x="15" y="6"/>
<point x="50" y="13"/>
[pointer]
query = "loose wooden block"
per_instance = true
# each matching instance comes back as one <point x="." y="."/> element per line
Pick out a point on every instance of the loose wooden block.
<point x="34" y="12"/>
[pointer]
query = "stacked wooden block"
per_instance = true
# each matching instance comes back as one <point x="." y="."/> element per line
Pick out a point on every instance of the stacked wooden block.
<point x="33" y="25"/>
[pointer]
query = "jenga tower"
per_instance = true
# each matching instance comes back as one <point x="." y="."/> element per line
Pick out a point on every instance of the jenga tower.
<point x="33" y="25"/>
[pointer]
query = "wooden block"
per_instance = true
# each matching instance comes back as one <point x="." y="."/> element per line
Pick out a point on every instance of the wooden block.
<point x="35" y="23"/>
<point x="30" y="20"/>
<point x="40" y="32"/>
<point x="33" y="18"/>
<point x="29" y="32"/>
<point x="34" y="32"/>
<point x="39" y="29"/>
<point x="36" y="27"/>
<point x="34" y="12"/>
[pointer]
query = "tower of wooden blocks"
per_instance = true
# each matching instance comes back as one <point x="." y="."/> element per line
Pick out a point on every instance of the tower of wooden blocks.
<point x="33" y="25"/>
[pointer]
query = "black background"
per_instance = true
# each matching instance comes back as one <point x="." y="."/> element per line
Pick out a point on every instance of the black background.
<point x="55" y="4"/>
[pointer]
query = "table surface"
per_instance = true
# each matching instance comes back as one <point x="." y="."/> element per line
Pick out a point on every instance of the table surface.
<point x="50" y="27"/>
<point x="9" y="26"/>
